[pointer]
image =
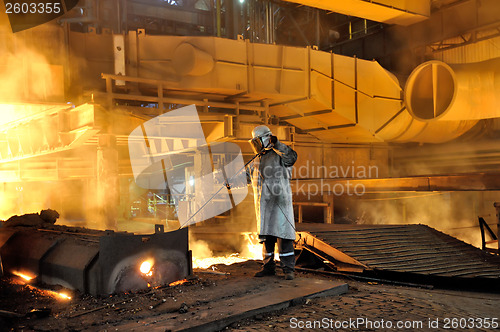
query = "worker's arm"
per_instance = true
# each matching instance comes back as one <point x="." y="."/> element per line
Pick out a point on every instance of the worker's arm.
<point x="287" y="154"/>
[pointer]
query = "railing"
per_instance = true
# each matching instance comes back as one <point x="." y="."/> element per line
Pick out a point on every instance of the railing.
<point x="483" y="225"/>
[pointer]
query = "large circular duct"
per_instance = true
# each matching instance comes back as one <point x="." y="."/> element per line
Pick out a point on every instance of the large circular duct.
<point x="405" y="129"/>
<point x="188" y="60"/>
<point x="438" y="91"/>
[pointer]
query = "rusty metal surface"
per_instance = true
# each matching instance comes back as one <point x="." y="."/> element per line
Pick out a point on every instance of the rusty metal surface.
<point x="407" y="248"/>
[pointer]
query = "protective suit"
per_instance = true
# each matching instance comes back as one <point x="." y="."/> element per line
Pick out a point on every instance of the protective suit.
<point x="270" y="175"/>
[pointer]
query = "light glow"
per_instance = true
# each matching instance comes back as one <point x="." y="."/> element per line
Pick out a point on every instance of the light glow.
<point x="22" y="275"/>
<point x="64" y="296"/>
<point x="147" y="267"/>
<point x="205" y="263"/>
<point x="178" y="282"/>
<point x="252" y="250"/>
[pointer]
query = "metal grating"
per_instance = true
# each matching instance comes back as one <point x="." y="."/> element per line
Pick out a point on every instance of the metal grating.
<point x="407" y="248"/>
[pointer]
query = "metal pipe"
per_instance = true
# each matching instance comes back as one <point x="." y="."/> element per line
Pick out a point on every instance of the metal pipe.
<point x="266" y="26"/>
<point x="318" y="31"/>
<point x="341" y="99"/>
<point x="439" y="91"/>
<point x="218" y="17"/>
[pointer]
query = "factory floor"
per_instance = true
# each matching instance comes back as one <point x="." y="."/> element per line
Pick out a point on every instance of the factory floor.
<point x="365" y="306"/>
<point x="378" y="307"/>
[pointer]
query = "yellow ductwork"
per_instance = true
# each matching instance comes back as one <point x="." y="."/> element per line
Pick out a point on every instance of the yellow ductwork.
<point x="335" y="98"/>
<point x="436" y="91"/>
<point x="402" y="12"/>
<point x="188" y="60"/>
<point x="405" y="129"/>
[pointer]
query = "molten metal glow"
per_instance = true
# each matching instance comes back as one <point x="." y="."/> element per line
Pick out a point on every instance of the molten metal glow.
<point x="146" y="267"/>
<point x="59" y="295"/>
<point x="205" y="263"/>
<point x="178" y="282"/>
<point x="64" y="296"/>
<point x="251" y="250"/>
<point x="254" y="251"/>
<point x="22" y="275"/>
<point x="48" y="292"/>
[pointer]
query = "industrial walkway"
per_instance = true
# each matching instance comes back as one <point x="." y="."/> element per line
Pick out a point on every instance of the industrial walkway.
<point x="406" y="252"/>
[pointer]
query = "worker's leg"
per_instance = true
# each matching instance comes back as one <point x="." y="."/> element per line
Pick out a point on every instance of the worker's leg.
<point x="287" y="257"/>
<point x="269" y="267"/>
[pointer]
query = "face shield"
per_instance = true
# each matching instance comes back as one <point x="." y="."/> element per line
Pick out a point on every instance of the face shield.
<point x="261" y="138"/>
<point x="259" y="143"/>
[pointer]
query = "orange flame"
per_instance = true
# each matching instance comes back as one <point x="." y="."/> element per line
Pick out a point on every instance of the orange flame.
<point x="48" y="292"/>
<point x="178" y="282"/>
<point x="23" y="275"/>
<point x="205" y="263"/>
<point x="251" y="250"/>
<point x="63" y="296"/>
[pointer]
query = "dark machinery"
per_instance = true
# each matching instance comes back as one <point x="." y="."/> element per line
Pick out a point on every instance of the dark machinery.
<point x="95" y="262"/>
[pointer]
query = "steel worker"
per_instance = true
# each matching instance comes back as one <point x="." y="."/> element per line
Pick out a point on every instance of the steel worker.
<point x="270" y="175"/>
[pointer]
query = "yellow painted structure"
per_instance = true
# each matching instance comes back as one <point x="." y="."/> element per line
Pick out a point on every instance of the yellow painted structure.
<point x="403" y="12"/>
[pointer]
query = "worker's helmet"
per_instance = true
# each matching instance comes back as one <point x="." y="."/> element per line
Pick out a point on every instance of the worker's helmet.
<point x="261" y="131"/>
<point x="260" y="138"/>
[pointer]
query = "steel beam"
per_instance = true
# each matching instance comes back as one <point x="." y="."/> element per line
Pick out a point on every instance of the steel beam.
<point x="161" y="98"/>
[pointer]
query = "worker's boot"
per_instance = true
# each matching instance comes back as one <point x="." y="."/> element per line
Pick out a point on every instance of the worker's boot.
<point x="265" y="272"/>
<point x="269" y="267"/>
<point x="289" y="275"/>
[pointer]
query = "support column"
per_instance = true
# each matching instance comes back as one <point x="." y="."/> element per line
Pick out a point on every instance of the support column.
<point x="161" y="104"/>
<point x="218" y="5"/>
<point x="107" y="181"/>
<point x="328" y="210"/>
<point x="265" y="113"/>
